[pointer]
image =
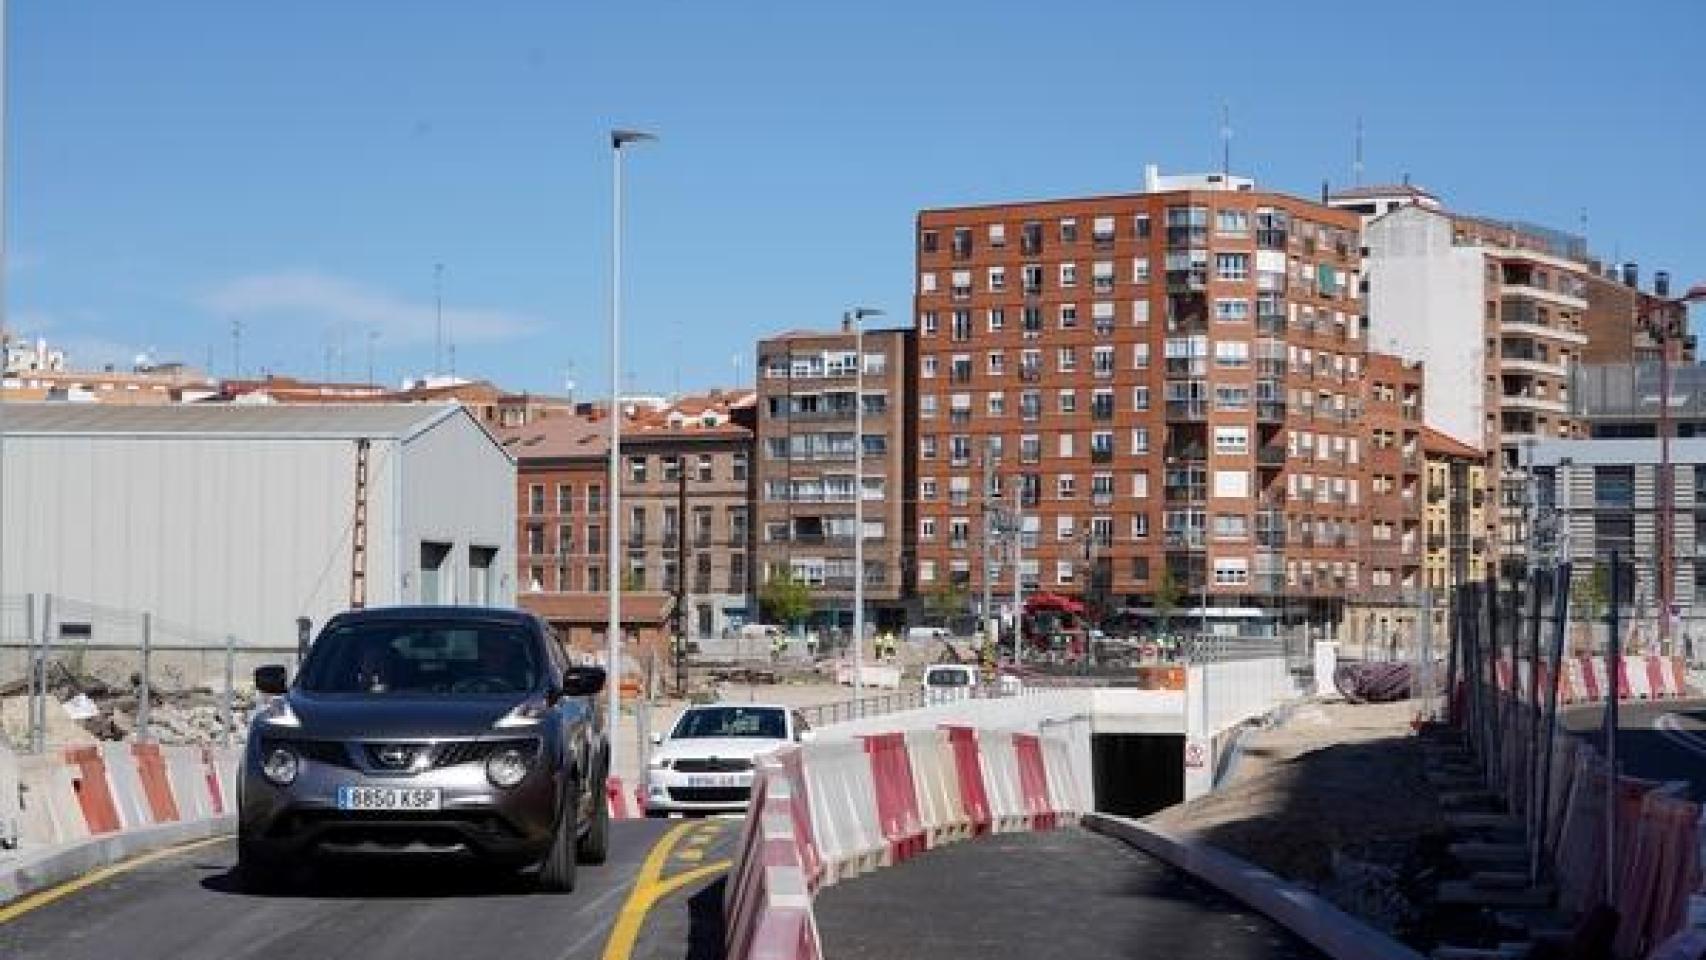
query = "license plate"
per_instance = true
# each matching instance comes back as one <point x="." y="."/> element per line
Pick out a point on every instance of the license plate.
<point x="714" y="780"/>
<point x="387" y="798"/>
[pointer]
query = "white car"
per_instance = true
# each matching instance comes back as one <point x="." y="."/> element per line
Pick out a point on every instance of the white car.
<point x="943" y="682"/>
<point x="705" y="764"/>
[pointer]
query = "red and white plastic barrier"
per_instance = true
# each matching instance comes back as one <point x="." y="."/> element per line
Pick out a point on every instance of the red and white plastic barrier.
<point x="833" y="809"/>
<point x="75" y="793"/>
<point x="1584" y="679"/>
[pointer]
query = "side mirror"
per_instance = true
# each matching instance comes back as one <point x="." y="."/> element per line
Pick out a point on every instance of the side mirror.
<point x="583" y="681"/>
<point x="657" y="739"/>
<point x="271" y="680"/>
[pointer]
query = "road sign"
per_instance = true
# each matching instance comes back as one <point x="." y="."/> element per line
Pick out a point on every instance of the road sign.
<point x="1193" y="756"/>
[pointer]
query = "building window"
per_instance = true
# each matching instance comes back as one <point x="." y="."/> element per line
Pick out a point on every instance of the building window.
<point x="997" y="235"/>
<point x="671" y="469"/>
<point x="1063" y="528"/>
<point x="1068" y="275"/>
<point x="565" y="498"/>
<point x="961" y="285"/>
<point x="962" y="325"/>
<point x="927" y="283"/>
<point x="1140" y="226"/>
<point x="1031" y="276"/>
<point x="1102" y="276"/>
<point x="997" y="404"/>
<point x="927" y="241"/>
<point x="1140" y="439"/>
<point x="997" y="279"/>
<point x="1069" y="230"/>
<point x="594" y="538"/>
<point x="997" y="320"/>
<point x="1140" y="356"/>
<point x="536" y="499"/>
<point x="637" y="469"/>
<point x="927" y="366"/>
<point x="1231" y="353"/>
<point x="1232" y="266"/>
<point x="927" y="488"/>
<point x="1231" y="310"/>
<point x="1140" y="398"/>
<point x="535" y="539"/>
<point x="1068" y="401"/>
<point x="1140" y="485"/>
<point x="1232" y="441"/>
<point x="1140" y="531"/>
<point x="1232" y="223"/>
<point x="927" y="323"/>
<point x="737" y="467"/>
<point x="1066" y="359"/>
<point x="962" y="243"/>
<point x="927" y="528"/>
<point x="1065" y="486"/>
<point x="1231" y="571"/>
<point x="1102" y="361"/>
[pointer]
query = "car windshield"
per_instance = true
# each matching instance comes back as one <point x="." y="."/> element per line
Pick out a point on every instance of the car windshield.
<point x="414" y="657"/>
<point x="767" y="723"/>
<point x="947" y="678"/>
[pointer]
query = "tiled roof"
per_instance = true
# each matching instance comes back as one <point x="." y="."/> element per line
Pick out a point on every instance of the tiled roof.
<point x="1433" y="441"/>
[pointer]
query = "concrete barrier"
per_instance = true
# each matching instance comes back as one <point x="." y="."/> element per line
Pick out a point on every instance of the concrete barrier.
<point x="1329" y="929"/>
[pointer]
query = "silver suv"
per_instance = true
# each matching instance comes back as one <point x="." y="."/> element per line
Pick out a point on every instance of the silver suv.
<point x="427" y="730"/>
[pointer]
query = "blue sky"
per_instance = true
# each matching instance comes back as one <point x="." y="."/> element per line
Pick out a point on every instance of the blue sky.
<point x="301" y="166"/>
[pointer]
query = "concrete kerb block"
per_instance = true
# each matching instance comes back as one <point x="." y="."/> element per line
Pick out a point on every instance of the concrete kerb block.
<point x="1324" y="926"/>
<point x="40" y="869"/>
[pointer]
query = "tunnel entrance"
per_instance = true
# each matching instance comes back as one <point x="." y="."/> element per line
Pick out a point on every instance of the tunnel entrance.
<point x="1137" y="774"/>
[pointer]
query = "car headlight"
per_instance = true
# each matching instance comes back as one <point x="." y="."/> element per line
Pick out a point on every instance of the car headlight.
<point x="281" y="766"/>
<point x="507" y="767"/>
<point x="277" y="713"/>
<point x="526" y="714"/>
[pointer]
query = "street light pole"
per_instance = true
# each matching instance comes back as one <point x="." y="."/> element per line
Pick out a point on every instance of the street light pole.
<point x="856" y="317"/>
<point x="613" y="628"/>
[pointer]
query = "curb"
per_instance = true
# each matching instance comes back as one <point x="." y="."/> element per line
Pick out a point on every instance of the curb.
<point x="1327" y="928"/>
<point x="35" y="870"/>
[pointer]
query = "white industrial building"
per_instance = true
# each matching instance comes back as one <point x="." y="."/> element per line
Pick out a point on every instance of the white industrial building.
<point x="240" y="519"/>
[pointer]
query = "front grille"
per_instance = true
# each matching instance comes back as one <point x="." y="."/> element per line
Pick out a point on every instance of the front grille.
<point x="711" y="794"/>
<point x="712" y="765"/>
<point x="329" y="752"/>
<point x="376" y="755"/>
<point x="477" y="751"/>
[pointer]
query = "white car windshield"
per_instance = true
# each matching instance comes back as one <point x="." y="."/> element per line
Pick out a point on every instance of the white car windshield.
<point x="760" y="722"/>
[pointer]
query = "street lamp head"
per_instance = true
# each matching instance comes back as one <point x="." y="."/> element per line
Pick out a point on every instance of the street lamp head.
<point x="618" y="138"/>
<point x="860" y="313"/>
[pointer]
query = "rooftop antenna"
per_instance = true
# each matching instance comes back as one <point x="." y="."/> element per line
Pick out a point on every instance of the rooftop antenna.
<point x="1226" y="141"/>
<point x="438" y="311"/>
<point x="236" y="348"/>
<point x="1356" y="165"/>
<point x="372" y="338"/>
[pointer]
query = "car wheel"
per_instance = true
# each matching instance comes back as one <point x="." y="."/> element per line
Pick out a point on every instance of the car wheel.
<point x="258" y="872"/>
<point x="595" y="846"/>
<point x="557" y="870"/>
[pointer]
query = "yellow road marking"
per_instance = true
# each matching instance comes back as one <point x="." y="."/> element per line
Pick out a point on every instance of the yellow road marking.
<point x="650" y="887"/>
<point x="42" y="898"/>
<point x="692" y="855"/>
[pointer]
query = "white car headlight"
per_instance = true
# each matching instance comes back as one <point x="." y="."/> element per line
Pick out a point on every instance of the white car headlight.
<point x="277" y="713"/>
<point x="526" y="714"/>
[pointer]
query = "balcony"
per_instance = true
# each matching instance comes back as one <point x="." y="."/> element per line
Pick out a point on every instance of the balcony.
<point x="1101" y="411"/>
<point x="1271" y="324"/>
<point x="1188" y="236"/>
<point x="1271" y="539"/>
<point x="1272" y="368"/>
<point x="1030" y="374"/>
<point x="1521" y="401"/>
<point x="1270" y="411"/>
<point x="1102" y="498"/>
<point x="1187" y="281"/>
<point x="1187" y="409"/>
<point x="1177" y="452"/>
<point x="1183" y="539"/>
<point x="1102" y="455"/>
<point x="1186" y="366"/>
<point x="1521" y="287"/>
<point x="637" y="537"/>
<point x="1271" y="239"/>
<point x="1186" y="493"/>
<point x="1271" y="456"/>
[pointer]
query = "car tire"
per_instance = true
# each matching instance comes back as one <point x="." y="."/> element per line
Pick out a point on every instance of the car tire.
<point x="258" y="872"/>
<point x="594" y="847"/>
<point x="557" y="870"/>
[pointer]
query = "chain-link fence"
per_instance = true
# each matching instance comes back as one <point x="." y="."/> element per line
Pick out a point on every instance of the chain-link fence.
<point x="71" y="669"/>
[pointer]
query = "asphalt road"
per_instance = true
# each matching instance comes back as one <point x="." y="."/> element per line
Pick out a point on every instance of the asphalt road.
<point x="1659" y="740"/>
<point x="659" y="894"/>
<point x="1065" y="893"/>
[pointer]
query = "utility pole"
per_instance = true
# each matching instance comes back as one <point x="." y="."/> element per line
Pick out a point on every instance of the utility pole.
<point x="990" y="528"/>
<point x="1018" y="574"/>
<point x="438" y="317"/>
<point x="681" y="574"/>
<point x="237" y="349"/>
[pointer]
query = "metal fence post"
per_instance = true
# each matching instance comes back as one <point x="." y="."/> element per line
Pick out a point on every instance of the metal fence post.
<point x="30" y="671"/>
<point x="1555" y="663"/>
<point x="229" y="705"/>
<point x="1612" y="655"/>
<point x="39" y="722"/>
<point x="1531" y="710"/>
<point x="145" y="688"/>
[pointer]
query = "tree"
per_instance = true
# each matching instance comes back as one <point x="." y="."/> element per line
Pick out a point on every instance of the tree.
<point x="1167" y="594"/>
<point x="945" y="601"/>
<point x="1589" y="596"/>
<point x="786" y="599"/>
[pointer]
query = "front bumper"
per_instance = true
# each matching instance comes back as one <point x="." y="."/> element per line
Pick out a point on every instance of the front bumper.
<point x="510" y="825"/>
<point x="669" y="791"/>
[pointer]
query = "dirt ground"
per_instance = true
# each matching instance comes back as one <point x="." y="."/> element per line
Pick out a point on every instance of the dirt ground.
<point x="1334" y="798"/>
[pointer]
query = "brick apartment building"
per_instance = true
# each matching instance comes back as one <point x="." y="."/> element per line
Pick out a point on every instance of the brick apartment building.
<point x="1617" y="307"/>
<point x="699" y="448"/>
<point x="1172" y="378"/>
<point x="563" y="517"/>
<point x="806" y="448"/>
<point x="1497" y="312"/>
